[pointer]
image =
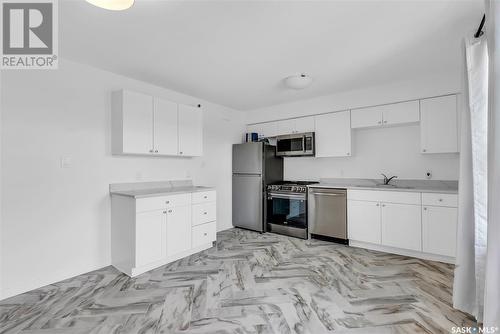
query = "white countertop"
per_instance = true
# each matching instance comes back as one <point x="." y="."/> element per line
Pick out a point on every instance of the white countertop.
<point x="431" y="186"/>
<point x="153" y="189"/>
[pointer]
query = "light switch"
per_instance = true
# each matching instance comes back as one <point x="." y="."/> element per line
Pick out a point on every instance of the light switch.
<point x="66" y="162"/>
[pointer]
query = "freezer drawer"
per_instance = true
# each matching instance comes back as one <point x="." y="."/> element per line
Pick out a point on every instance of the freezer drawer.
<point x="248" y="202"/>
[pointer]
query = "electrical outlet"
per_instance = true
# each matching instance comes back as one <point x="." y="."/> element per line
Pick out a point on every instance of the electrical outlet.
<point x="428" y="175"/>
<point x="66" y="162"/>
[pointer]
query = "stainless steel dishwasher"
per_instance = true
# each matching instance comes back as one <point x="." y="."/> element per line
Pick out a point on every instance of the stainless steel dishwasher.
<point x="327" y="214"/>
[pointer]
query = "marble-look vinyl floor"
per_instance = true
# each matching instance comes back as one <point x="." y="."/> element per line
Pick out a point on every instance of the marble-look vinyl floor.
<point x="250" y="283"/>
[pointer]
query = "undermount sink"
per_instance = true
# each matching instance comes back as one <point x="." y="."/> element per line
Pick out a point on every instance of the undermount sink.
<point x="392" y="186"/>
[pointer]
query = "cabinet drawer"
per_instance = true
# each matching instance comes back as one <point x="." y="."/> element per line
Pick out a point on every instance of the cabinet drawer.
<point x="204" y="213"/>
<point x="435" y="199"/>
<point x="160" y="202"/>
<point x="401" y="197"/>
<point x="203" y="234"/>
<point x="204" y="196"/>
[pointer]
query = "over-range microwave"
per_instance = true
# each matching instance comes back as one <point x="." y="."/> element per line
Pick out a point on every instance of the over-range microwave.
<point x="295" y="145"/>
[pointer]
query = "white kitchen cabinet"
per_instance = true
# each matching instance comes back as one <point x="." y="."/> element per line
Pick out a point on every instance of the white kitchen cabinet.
<point x="364" y="221"/>
<point x="286" y="126"/>
<point x="165" y="132"/>
<point x="439" y="125"/>
<point x="178" y="230"/>
<point x="143" y="124"/>
<point x="152" y="231"/>
<point x="133" y="123"/>
<point x="389" y="114"/>
<point x="190" y="131"/>
<point x="439" y="226"/>
<point x="333" y="134"/>
<point x="439" y="223"/>
<point x="264" y="130"/>
<point x="296" y="125"/>
<point x="401" y="226"/>
<point x="304" y="124"/>
<point x="150" y="236"/>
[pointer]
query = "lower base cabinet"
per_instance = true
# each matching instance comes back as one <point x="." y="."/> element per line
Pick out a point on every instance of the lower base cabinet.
<point x="149" y="232"/>
<point x="415" y="224"/>
<point x="439" y="226"/>
<point x="364" y="221"/>
<point x="401" y="226"/>
<point x="178" y="230"/>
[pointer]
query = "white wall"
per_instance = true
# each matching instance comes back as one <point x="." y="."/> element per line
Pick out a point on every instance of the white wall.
<point x="389" y="150"/>
<point x="57" y="221"/>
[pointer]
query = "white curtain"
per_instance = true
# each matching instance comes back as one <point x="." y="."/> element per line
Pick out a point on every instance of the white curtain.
<point x="468" y="292"/>
<point x="492" y="288"/>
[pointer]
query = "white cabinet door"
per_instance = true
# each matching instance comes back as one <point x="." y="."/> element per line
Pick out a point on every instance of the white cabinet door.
<point x="190" y="130"/>
<point x="165" y="127"/>
<point x="402" y="226"/>
<point x="366" y="117"/>
<point x="304" y="124"/>
<point x="439" y="125"/>
<point x="439" y="227"/>
<point x="178" y="229"/>
<point x="400" y="113"/>
<point x="286" y="127"/>
<point x="137" y="123"/>
<point x="363" y="221"/>
<point x="333" y="134"/>
<point x="150" y="236"/>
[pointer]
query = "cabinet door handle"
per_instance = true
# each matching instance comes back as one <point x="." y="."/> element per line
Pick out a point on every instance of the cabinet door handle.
<point x="150" y="151"/>
<point x="180" y="152"/>
<point x="156" y="151"/>
<point x="205" y="234"/>
<point x="383" y="205"/>
<point x="169" y="211"/>
<point x="164" y="211"/>
<point x="385" y="122"/>
<point x="168" y="202"/>
<point x="440" y="199"/>
<point x="378" y="204"/>
<point x="205" y="197"/>
<point x="205" y="213"/>
<point x="379" y="122"/>
<point x="424" y="150"/>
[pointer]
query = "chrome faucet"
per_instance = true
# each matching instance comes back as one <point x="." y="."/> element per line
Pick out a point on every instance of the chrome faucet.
<point x="387" y="180"/>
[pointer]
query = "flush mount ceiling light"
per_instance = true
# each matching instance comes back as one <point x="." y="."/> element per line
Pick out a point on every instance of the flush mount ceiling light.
<point x="300" y="81"/>
<point x="112" y="4"/>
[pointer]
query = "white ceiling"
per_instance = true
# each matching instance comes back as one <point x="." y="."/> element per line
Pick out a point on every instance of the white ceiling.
<point x="236" y="53"/>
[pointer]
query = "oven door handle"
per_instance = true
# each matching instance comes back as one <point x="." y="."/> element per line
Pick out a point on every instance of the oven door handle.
<point x="285" y="196"/>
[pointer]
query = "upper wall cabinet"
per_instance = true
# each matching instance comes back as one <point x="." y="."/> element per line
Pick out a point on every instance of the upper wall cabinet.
<point x="143" y="124"/>
<point x="190" y="131"/>
<point x="333" y="134"/>
<point x="269" y="129"/>
<point x="389" y="114"/>
<point x="439" y="125"/>
<point x="296" y="125"/>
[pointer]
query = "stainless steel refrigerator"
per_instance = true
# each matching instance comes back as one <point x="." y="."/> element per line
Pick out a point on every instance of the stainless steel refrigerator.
<point x="255" y="165"/>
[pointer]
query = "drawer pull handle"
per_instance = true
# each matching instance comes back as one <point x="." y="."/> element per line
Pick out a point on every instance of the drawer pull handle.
<point x="378" y="204"/>
<point x="425" y="208"/>
<point x="169" y="210"/>
<point x="205" y="197"/>
<point x="168" y="202"/>
<point x="440" y="199"/>
<point x="204" y="213"/>
<point x="205" y="234"/>
<point x="164" y="211"/>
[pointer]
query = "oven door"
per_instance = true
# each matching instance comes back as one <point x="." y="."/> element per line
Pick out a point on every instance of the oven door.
<point x="287" y="209"/>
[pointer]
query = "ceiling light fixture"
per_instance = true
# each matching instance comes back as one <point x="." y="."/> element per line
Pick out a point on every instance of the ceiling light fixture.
<point x="300" y="81"/>
<point x="112" y="4"/>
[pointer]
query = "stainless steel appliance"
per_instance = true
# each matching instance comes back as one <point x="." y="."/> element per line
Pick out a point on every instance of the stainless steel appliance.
<point x="327" y="213"/>
<point x="254" y="166"/>
<point x="295" y="145"/>
<point x="287" y="208"/>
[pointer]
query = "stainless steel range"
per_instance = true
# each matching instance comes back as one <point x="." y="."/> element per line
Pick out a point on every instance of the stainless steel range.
<point x="287" y="208"/>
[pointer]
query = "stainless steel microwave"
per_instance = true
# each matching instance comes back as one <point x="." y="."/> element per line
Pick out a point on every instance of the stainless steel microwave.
<point x="295" y="145"/>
